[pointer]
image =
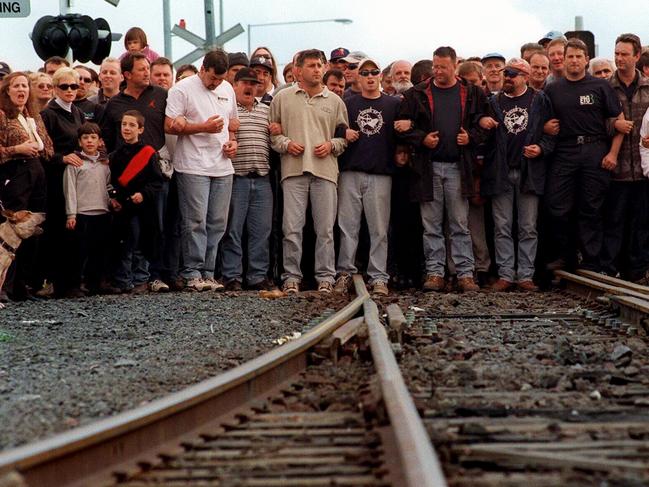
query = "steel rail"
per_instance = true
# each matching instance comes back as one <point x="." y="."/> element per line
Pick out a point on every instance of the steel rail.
<point x="93" y="454"/>
<point x="587" y="286"/>
<point x="614" y="281"/>
<point x="419" y="463"/>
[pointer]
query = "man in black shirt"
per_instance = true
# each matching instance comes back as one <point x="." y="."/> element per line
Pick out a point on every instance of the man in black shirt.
<point x="444" y="114"/>
<point x="514" y="172"/>
<point x="584" y="157"/>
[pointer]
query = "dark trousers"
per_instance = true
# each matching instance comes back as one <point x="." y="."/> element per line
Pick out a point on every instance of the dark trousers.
<point x="576" y="188"/>
<point x="90" y="244"/>
<point x="626" y="230"/>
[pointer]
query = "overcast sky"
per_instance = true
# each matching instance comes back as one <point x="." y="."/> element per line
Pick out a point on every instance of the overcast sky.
<point x="386" y="30"/>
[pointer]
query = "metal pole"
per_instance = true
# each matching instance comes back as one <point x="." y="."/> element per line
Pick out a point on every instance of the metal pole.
<point x="579" y="23"/>
<point x="248" y="31"/>
<point x="166" y="22"/>
<point x="64" y="7"/>
<point x="209" y="24"/>
<point x="220" y="16"/>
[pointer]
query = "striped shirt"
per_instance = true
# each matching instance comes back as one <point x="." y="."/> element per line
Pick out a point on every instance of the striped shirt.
<point x="253" y="141"/>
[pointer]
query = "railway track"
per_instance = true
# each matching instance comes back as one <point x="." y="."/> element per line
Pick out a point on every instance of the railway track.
<point x="531" y="389"/>
<point x="535" y="389"/>
<point x="280" y="419"/>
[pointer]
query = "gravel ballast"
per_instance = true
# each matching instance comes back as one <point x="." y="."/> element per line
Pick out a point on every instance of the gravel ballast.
<point x="65" y="363"/>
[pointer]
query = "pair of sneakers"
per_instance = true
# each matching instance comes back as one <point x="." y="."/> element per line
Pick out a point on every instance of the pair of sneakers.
<point x="203" y="284"/>
<point x="345" y="282"/>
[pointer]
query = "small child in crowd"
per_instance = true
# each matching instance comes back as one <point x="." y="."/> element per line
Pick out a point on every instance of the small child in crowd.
<point x="136" y="178"/>
<point x="86" y="204"/>
<point x="135" y="41"/>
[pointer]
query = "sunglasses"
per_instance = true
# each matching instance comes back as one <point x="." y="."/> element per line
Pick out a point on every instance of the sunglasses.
<point x="44" y="86"/>
<point x="511" y="73"/>
<point x="352" y="67"/>
<point x="86" y="80"/>
<point x="367" y="72"/>
<point x="66" y="87"/>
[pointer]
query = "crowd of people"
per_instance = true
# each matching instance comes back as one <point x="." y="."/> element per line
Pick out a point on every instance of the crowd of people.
<point x="475" y="172"/>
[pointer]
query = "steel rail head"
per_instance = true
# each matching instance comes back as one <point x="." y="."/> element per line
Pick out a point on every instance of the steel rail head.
<point x="84" y="438"/>
<point x="419" y="461"/>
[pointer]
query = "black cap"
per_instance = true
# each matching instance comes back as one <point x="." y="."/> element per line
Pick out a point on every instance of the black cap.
<point x="262" y="61"/>
<point x="237" y="59"/>
<point x="246" y="74"/>
<point x="4" y="69"/>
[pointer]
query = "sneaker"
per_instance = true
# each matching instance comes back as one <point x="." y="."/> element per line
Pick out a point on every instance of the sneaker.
<point x="197" y="284"/>
<point x="380" y="288"/>
<point x="343" y="284"/>
<point x="434" y="283"/>
<point x="158" y="286"/>
<point x="467" y="284"/>
<point x="325" y="287"/>
<point x="527" y="285"/>
<point x="233" y="285"/>
<point x="213" y="284"/>
<point x="501" y="285"/>
<point x="291" y="287"/>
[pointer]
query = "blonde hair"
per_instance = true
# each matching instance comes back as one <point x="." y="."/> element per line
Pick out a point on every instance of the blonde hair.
<point x="62" y="73"/>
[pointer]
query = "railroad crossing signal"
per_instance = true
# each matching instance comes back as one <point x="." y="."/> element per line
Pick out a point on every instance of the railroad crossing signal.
<point x="585" y="35"/>
<point x="202" y="46"/>
<point x="89" y="39"/>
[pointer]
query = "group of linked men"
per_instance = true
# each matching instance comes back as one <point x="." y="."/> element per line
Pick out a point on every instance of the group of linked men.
<point x="533" y="129"/>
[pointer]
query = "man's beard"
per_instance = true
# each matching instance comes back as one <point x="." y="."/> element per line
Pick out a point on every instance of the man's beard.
<point x="401" y="86"/>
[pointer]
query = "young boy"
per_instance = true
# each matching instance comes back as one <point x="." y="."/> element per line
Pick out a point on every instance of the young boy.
<point x="136" y="178"/>
<point x="86" y="204"/>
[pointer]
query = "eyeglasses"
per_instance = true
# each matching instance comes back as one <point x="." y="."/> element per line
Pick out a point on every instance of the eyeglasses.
<point x="511" y="73"/>
<point x="86" y="80"/>
<point x="367" y="72"/>
<point x="44" y="86"/>
<point x="66" y="87"/>
<point x="352" y="67"/>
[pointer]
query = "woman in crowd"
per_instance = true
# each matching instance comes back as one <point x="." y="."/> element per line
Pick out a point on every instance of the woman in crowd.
<point x="24" y="146"/>
<point x="41" y="87"/>
<point x="62" y="119"/>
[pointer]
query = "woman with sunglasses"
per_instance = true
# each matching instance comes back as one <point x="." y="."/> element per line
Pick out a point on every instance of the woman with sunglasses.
<point x="62" y="119"/>
<point x="41" y="87"/>
<point x="24" y="143"/>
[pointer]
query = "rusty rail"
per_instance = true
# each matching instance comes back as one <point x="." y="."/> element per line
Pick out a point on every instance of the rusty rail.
<point x="419" y="463"/>
<point x="94" y="454"/>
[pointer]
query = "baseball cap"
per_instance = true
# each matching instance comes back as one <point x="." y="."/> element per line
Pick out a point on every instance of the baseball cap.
<point x="368" y="60"/>
<point x="246" y="74"/>
<point x="550" y="36"/>
<point x="237" y="59"/>
<point x="338" y="53"/>
<point x="493" y="55"/>
<point x="263" y="61"/>
<point x="519" y="65"/>
<point x="4" y="69"/>
<point x="355" y="57"/>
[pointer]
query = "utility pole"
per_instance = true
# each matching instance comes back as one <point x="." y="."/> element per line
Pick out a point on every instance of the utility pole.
<point x="166" y="27"/>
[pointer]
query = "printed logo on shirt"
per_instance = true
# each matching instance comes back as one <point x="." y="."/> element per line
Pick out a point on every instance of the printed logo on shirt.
<point x="516" y="120"/>
<point x="587" y="100"/>
<point x="152" y="104"/>
<point x="370" y="121"/>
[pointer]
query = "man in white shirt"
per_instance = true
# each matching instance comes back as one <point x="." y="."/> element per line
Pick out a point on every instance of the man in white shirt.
<point x="200" y="109"/>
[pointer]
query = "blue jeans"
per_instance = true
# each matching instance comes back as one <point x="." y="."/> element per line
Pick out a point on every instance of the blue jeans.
<point x="251" y="205"/>
<point x="503" y="212"/>
<point x="204" y="202"/>
<point x="447" y="198"/>
<point x="360" y="192"/>
<point x="132" y="268"/>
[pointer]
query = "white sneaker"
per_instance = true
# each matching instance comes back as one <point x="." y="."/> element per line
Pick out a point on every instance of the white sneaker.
<point x="197" y="284"/>
<point x="213" y="284"/>
<point x="158" y="286"/>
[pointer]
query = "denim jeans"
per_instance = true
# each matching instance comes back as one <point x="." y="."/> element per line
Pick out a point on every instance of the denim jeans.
<point x="447" y="198"/>
<point x="132" y="268"/>
<point x="360" y="192"/>
<point x="298" y="190"/>
<point x="204" y="202"/>
<point x="503" y="212"/>
<point x="251" y="206"/>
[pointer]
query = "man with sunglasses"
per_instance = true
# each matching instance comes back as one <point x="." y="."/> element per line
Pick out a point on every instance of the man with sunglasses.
<point x="365" y="181"/>
<point x="91" y="110"/>
<point x="444" y="114"/>
<point x="514" y="172"/>
<point x="351" y="72"/>
<point x="584" y="158"/>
